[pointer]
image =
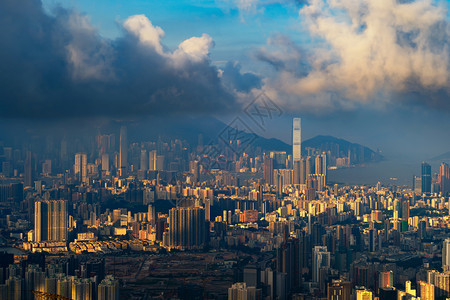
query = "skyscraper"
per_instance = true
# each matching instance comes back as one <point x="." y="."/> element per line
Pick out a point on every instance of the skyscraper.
<point x="296" y="178"/>
<point x="29" y="169"/>
<point x="309" y="167"/>
<point x="296" y="140"/>
<point x="123" y="155"/>
<point x="152" y="160"/>
<point x="186" y="227"/>
<point x="426" y="178"/>
<point x="290" y="261"/>
<point x="444" y="178"/>
<point x="144" y="160"/>
<point x="321" y="258"/>
<point x="80" y="167"/>
<point x="268" y="170"/>
<point x="446" y="252"/>
<point x="50" y="220"/>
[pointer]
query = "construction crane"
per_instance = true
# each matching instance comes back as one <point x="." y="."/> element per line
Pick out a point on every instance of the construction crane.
<point x="48" y="296"/>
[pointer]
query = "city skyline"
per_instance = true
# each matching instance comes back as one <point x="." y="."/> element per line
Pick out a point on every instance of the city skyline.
<point x="225" y="149"/>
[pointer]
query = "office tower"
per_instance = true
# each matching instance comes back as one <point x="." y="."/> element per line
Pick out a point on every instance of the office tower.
<point x="151" y="214"/>
<point x="296" y="179"/>
<point x="279" y="159"/>
<point x="80" y="167"/>
<point x="50" y="220"/>
<point x="426" y="178"/>
<point x="444" y="178"/>
<point x="152" y="160"/>
<point x="123" y="155"/>
<point x="108" y="289"/>
<point x="252" y="276"/>
<point x="144" y="160"/>
<point x="386" y="279"/>
<point x="268" y="170"/>
<point x="195" y="170"/>
<point x="296" y="140"/>
<point x="186" y="227"/>
<point x="426" y="290"/>
<point x="417" y="184"/>
<point x="268" y="278"/>
<point x="339" y="290"/>
<point x="290" y="257"/>
<point x="29" y="169"/>
<point x="363" y="294"/>
<point x="446" y="252"/>
<point x="240" y="291"/>
<point x="105" y="162"/>
<point x="321" y="258"/>
<point x="160" y="162"/>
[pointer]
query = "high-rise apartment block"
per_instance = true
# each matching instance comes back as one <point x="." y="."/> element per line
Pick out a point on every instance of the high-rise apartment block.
<point x="446" y="252"/>
<point x="80" y="167"/>
<point x="50" y="220"/>
<point x="187" y="227"/>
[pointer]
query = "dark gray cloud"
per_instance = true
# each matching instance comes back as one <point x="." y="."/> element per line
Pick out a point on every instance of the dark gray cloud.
<point x="242" y="82"/>
<point x="59" y="66"/>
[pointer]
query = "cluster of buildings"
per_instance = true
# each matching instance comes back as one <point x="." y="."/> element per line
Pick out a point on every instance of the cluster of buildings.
<point x="299" y="236"/>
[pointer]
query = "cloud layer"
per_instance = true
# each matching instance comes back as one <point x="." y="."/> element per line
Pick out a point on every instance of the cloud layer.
<point x="363" y="52"/>
<point x="59" y="66"/>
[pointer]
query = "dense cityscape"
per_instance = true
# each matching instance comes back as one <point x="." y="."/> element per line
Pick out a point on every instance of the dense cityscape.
<point x="168" y="220"/>
<point x="225" y="149"/>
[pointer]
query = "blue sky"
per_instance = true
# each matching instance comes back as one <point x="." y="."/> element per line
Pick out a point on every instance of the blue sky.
<point x="236" y="34"/>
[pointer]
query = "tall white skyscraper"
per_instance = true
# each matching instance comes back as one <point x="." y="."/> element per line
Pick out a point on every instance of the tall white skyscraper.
<point x="446" y="252"/>
<point x="123" y="155"/>
<point x="297" y="139"/>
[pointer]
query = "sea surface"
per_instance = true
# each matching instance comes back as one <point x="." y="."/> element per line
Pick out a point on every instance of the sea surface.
<point x="388" y="172"/>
